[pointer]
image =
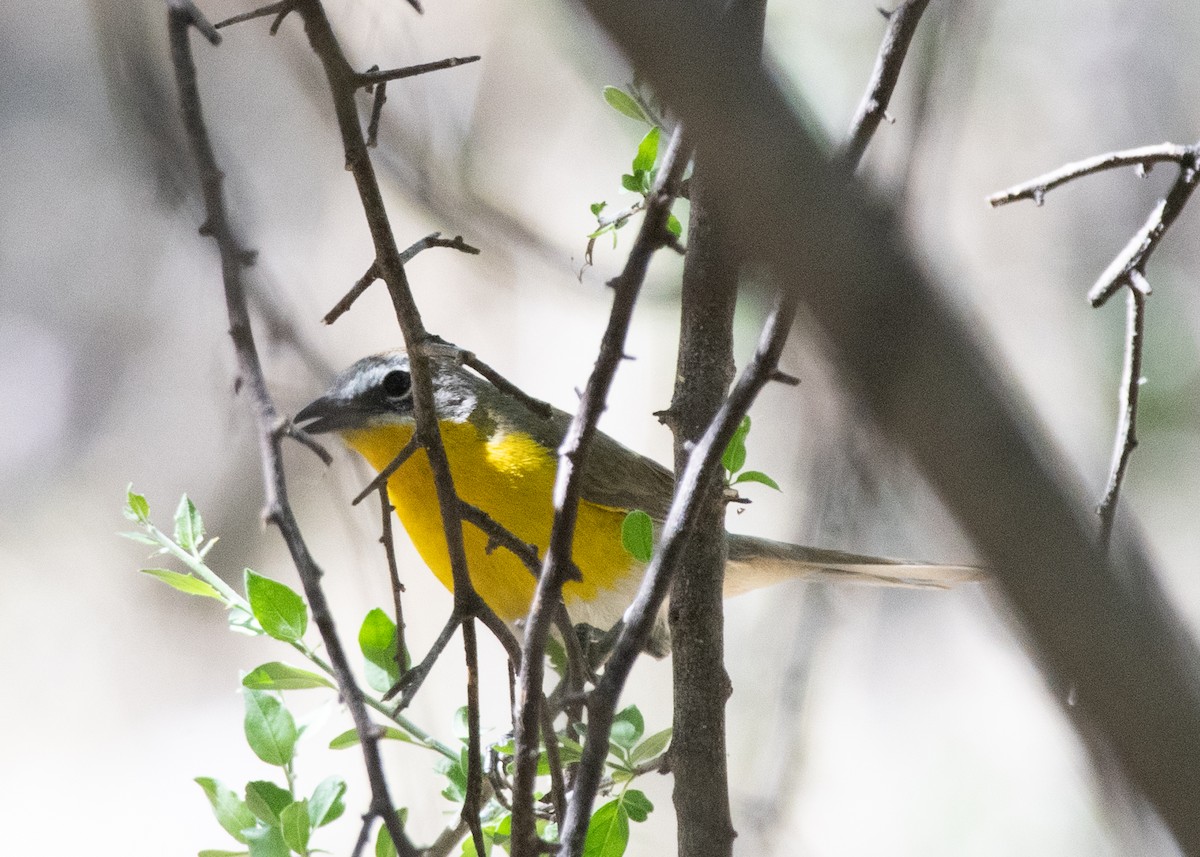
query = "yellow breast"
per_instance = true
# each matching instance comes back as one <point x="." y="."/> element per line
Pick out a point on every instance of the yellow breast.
<point x="511" y="477"/>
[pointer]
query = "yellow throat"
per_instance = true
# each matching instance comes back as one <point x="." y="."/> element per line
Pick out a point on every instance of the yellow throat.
<point x="510" y="476"/>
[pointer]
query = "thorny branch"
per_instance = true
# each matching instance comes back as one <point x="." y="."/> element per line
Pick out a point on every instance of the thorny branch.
<point x="572" y="453"/>
<point x="639" y="619"/>
<point x="182" y="15"/>
<point x="1127" y="270"/>
<point x="902" y="26"/>
<point x="434" y="239"/>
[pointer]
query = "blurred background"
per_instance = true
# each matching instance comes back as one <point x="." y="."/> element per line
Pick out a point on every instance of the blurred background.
<point x="863" y="721"/>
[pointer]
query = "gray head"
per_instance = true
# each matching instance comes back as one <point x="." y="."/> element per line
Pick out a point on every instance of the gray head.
<point x="378" y="390"/>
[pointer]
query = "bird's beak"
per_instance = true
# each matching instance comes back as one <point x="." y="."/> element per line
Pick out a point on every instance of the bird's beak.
<point x="326" y="414"/>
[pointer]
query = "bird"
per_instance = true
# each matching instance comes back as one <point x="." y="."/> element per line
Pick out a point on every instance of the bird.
<point x="503" y="459"/>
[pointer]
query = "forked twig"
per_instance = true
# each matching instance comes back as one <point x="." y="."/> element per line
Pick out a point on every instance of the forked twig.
<point x="1127" y="270"/>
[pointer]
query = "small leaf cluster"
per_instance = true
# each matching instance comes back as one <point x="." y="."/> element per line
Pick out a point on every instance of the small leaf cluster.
<point x="269" y="819"/>
<point x="630" y="756"/>
<point x="642" y="173"/>
<point x="734" y="459"/>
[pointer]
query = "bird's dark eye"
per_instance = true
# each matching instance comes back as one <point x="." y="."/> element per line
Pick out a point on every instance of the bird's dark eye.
<point x="396" y="384"/>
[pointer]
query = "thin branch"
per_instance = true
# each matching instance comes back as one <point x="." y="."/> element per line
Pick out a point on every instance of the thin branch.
<point x="901" y="27"/>
<point x="1131" y="382"/>
<point x="1134" y="257"/>
<point x="412" y="680"/>
<point x="1127" y="270"/>
<point x="558" y="786"/>
<point x="280" y="9"/>
<point x="703" y="464"/>
<point x="434" y="239"/>
<point x="435" y="346"/>
<point x="1142" y="157"/>
<point x="382" y="477"/>
<point x="376" y="114"/>
<point x="370" y="78"/>
<point x="567" y="487"/>
<point x="473" y="800"/>
<point x="360" y="285"/>
<point x="389" y="548"/>
<point x="278" y="510"/>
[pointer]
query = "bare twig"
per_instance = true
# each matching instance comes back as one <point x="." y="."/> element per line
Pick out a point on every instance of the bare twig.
<point x="1127" y="270"/>
<point x="370" y="78"/>
<point x="382" y="477"/>
<point x="279" y="9"/>
<point x="901" y="27"/>
<point x="278" y="510"/>
<point x="1142" y="157"/>
<point x="361" y="285"/>
<point x="412" y="680"/>
<point x="434" y="239"/>
<point x="567" y="488"/>
<point x="435" y="346"/>
<point x="1131" y="382"/>
<point x="376" y="114"/>
<point x="389" y="548"/>
<point x="1137" y="252"/>
<point x="703" y="463"/>
<point x="473" y="799"/>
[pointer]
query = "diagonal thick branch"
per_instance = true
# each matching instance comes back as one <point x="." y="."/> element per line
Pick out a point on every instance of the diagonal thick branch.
<point x="915" y="366"/>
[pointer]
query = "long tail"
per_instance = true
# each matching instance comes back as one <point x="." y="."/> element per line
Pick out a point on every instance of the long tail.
<point x="755" y="562"/>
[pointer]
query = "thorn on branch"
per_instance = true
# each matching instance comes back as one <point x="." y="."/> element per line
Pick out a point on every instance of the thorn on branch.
<point x="376" y="113"/>
<point x="784" y="378"/>
<point x="369" y="78"/>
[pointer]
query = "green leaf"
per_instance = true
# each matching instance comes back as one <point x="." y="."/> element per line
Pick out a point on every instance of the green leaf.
<point x="633" y="183"/>
<point x="267" y="800"/>
<point x="622" y="102"/>
<point x="651" y="747"/>
<point x="637" y="535"/>
<point x="326" y="803"/>
<point x="270" y="729"/>
<point x="349" y="738"/>
<point x="597" y="207"/>
<point x="377" y="639"/>
<point x="281" y="612"/>
<point x="136" y="507"/>
<point x="627" y="727"/>
<point x="383" y="843"/>
<point x="189" y="528"/>
<point x="231" y="811"/>
<point x="266" y="842"/>
<point x="608" y="834"/>
<point x="674" y="226"/>
<point x="183" y="582"/>
<point x="647" y="152"/>
<point x="296" y="827"/>
<point x="734" y="457"/>
<point x="281" y="676"/>
<point x="756" y="476"/>
<point x="637" y="805"/>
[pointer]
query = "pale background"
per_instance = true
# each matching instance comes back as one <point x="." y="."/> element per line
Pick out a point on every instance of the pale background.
<point x="863" y="722"/>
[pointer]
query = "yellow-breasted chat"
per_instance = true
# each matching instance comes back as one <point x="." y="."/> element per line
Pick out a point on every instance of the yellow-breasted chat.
<point x="503" y="458"/>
